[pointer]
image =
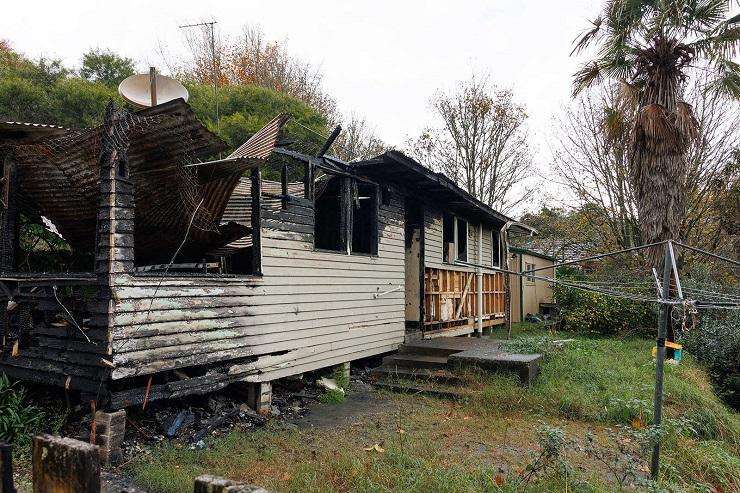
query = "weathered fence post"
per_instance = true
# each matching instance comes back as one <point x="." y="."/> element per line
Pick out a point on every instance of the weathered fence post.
<point x="65" y="465"/>
<point x="6" y="468"/>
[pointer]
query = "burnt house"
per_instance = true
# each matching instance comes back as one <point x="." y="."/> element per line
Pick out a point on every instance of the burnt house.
<point x="192" y="272"/>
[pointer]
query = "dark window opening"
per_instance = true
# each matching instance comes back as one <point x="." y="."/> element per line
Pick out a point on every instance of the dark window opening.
<point x="122" y="168"/>
<point x="328" y="214"/>
<point x="462" y="240"/>
<point x="448" y="238"/>
<point x="364" y="218"/>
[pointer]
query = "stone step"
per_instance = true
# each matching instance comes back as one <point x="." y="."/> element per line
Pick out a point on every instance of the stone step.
<point x="419" y="374"/>
<point x="416" y="388"/>
<point x="414" y="361"/>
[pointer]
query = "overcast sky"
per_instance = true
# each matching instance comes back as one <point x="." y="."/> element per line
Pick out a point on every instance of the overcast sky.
<point x="381" y="59"/>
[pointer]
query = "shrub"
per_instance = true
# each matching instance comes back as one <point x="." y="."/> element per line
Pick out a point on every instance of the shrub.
<point x="18" y="420"/>
<point x="716" y="344"/>
<point x="590" y="312"/>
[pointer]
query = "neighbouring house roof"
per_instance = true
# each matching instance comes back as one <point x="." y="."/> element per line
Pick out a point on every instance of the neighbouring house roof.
<point x="59" y="179"/>
<point x="533" y="253"/>
<point x="560" y="249"/>
<point x="394" y="166"/>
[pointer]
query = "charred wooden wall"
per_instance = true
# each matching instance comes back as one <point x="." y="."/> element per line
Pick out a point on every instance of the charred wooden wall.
<point x="308" y="310"/>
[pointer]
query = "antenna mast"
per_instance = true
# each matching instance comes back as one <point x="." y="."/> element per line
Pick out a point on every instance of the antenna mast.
<point x="213" y="63"/>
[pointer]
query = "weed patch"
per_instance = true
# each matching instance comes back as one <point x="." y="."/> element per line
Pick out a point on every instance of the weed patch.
<point x="18" y="419"/>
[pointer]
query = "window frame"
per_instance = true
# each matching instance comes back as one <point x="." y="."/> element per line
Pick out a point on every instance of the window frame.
<point x="495" y="248"/>
<point x="457" y="237"/>
<point x="455" y="226"/>
<point x="346" y="223"/>
<point x="529" y="278"/>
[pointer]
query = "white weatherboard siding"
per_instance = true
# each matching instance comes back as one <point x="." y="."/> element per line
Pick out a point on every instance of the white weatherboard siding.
<point x="433" y="245"/>
<point x="314" y="309"/>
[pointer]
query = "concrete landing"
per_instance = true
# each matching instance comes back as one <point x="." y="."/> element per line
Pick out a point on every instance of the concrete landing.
<point x="492" y="358"/>
<point x="445" y="353"/>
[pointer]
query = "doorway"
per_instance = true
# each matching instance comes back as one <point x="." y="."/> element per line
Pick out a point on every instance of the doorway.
<point x="414" y="255"/>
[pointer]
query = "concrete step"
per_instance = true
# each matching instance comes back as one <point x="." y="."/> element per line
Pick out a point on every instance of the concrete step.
<point x="414" y="361"/>
<point x="426" y="350"/>
<point x="405" y="387"/>
<point x="527" y="366"/>
<point x="418" y="374"/>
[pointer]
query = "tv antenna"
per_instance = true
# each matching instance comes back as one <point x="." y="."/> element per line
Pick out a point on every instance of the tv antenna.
<point x="210" y="25"/>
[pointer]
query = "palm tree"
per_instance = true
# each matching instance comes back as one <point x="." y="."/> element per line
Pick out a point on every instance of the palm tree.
<point x="651" y="47"/>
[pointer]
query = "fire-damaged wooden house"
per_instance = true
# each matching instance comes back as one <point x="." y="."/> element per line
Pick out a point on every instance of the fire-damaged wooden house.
<point x="189" y="272"/>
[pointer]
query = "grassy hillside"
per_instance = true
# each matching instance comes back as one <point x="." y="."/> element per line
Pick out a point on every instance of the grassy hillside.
<point x="583" y="426"/>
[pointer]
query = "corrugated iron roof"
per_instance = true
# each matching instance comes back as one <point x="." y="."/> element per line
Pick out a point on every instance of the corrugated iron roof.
<point x="59" y="177"/>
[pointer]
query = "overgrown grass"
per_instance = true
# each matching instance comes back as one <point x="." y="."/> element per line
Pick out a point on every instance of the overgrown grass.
<point x="18" y="419"/>
<point x="484" y="444"/>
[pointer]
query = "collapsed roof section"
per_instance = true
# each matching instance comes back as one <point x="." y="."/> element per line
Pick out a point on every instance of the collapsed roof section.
<point x="175" y="191"/>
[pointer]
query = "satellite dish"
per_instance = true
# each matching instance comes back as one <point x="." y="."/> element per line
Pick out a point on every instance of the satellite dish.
<point x="144" y="90"/>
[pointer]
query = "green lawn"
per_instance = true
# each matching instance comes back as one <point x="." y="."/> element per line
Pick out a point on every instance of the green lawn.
<point x="592" y="387"/>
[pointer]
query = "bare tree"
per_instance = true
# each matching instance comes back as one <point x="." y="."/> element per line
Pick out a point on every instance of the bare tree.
<point x="357" y="140"/>
<point x="251" y="58"/>
<point x="591" y="158"/>
<point x="480" y="142"/>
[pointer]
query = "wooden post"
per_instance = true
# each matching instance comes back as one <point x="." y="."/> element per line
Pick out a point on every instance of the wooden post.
<point x="308" y="169"/>
<point x="259" y="396"/>
<point x="6" y="468"/>
<point x="153" y="85"/>
<point x="9" y="224"/>
<point x="284" y="186"/>
<point x="479" y="284"/>
<point x="256" y="192"/>
<point x="345" y="222"/>
<point x="65" y="465"/>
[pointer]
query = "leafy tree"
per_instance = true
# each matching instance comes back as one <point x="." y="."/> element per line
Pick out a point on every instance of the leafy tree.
<point x="649" y="47"/>
<point x="76" y="102"/>
<point x="480" y="142"/>
<point x="106" y="67"/>
<point x="244" y="109"/>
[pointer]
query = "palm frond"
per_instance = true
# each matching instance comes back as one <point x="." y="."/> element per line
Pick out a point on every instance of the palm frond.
<point x="586" y="37"/>
<point x="628" y="94"/>
<point x="700" y="15"/>
<point x="624" y="16"/>
<point x="653" y="122"/>
<point x="586" y="76"/>
<point x="724" y="42"/>
<point x="726" y="78"/>
<point x="614" y="124"/>
<point x="685" y="122"/>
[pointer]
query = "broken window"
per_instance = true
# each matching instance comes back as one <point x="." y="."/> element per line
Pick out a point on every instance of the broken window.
<point x="364" y="218"/>
<point x="461" y="236"/>
<point x="448" y="238"/>
<point x="328" y="223"/>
